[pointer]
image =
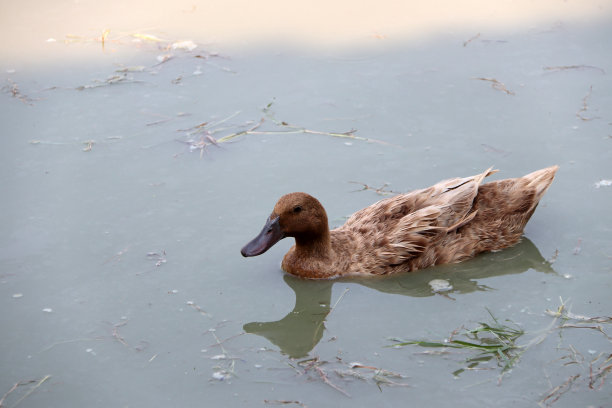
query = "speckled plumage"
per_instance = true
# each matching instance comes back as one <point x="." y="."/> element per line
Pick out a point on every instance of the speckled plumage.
<point x="450" y="221"/>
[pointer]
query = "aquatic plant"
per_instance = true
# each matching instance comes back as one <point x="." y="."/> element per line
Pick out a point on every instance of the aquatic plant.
<point x="491" y="340"/>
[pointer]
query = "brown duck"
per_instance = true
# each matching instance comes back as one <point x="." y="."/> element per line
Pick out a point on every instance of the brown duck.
<point x="450" y="221"/>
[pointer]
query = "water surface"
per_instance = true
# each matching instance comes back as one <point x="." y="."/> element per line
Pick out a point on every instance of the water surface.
<point x="120" y="272"/>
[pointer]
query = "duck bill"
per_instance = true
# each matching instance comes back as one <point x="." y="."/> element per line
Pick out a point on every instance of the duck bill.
<point x="269" y="235"/>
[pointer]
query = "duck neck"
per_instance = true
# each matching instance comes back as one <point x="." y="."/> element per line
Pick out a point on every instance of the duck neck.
<point x="314" y="245"/>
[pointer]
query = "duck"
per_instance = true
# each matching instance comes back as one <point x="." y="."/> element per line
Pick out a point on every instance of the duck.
<point x="449" y="222"/>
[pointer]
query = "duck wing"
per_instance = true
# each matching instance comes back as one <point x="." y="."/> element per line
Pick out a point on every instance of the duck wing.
<point x="399" y="228"/>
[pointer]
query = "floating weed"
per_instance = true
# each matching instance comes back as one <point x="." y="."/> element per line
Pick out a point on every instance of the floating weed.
<point x="575" y="67"/>
<point x="585" y="107"/>
<point x="203" y="135"/>
<point x="354" y="370"/>
<point x="118" y="78"/>
<point x="285" y="402"/>
<point x="28" y="393"/>
<point x="598" y="374"/>
<point x="491" y="340"/>
<point x="13" y="89"/>
<point x="378" y="190"/>
<point x="564" y="314"/>
<point x="495" y="84"/>
<point x="555" y="393"/>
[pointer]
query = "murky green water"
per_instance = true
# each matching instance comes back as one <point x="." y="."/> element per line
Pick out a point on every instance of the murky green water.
<point x="121" y="281"/>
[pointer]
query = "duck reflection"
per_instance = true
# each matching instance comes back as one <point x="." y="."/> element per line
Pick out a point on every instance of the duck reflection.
<point x="299" y="332"/>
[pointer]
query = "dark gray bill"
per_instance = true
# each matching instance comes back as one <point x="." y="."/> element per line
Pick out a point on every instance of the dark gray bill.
<point x="269" y="235"/>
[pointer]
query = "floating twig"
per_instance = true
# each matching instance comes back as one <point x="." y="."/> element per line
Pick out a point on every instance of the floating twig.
<point x="601" y="372"/>
<point x="555" y="393"/>
<point x="69" y="341"/>
<point x="489" y="148"/>
<point x="198" y="309"/>
<point x="585" y="107"/>
<point x="284" y="402"/>
<point x="117" y="257"/>
<point x="120" y="78"/>
<point x="576" y="326"/>
<point x="88" y="145"/>
<point x="13" y="89"/>
<point x="206" y="131"/>
<point x="326" y="380"/>
<point x="574" y="67"/>
<point x="495" y="84"/>
<point x="565" y="314"/>
<point x="223" y="373"/>
<point x="103" y="37"/>
<point x="465" y="43"/>
<point x="116" y="334"/>
<point x="13" y="388"/>
<point x="219" y="343"/>
<point x="30" y="391"/>
<point x="338" y="301"/>
<point x="572" y="316"/>
<point x="578" y="248"/>
<point x="158" y="257"/>
<point x="378" y="190"/>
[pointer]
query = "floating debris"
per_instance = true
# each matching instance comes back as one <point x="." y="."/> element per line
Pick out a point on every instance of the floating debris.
<point x="88" y="145"/>
<point x="197" y="308"/>
<point x="440" y="285"/>
<point x="599" y="373"/>
<point x="120" y="78"/>
<point x="495" y="84"/>
<point x="206" y="131"/>
<point x="163" y="58"/>
<point x="574" y="67"/>
<point x="221" y="375"/>
<point x="158" y="257"/>
<point x="13" y="89"/>
<point x="563" y="313"/>
<point x="578" y="248"/>
<point x="283" y="402"/>
<point x="585" y="107"/>
<point x="491" y="149"/>
<point x="135" y="68"/>
<point x="17" y="295"/>
<point x="493" y="340"/>
<point x="556" y="392"/>
<point x="147" y="37"/>
<point x="19" y="384"/>
<point x="380" y="190"/>
<point x="47" y="310"/>
<point x="603" y="183"/>
<point x="465" y="43"/>
<point x="184" y="45"/>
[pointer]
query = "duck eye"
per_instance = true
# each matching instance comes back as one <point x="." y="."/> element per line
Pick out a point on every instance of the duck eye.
<point x="297" y="209"/>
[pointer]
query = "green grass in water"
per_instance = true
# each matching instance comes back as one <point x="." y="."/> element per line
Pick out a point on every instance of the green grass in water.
<point x="491" y="340"/>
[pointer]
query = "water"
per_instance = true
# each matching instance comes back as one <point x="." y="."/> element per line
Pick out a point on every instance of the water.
<point x="120" y="272"/>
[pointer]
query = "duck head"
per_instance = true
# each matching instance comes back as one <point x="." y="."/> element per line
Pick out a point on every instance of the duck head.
<point x="297" y="215"/>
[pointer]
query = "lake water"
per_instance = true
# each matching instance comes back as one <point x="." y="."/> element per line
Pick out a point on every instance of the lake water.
<point x="133" y="172"/>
